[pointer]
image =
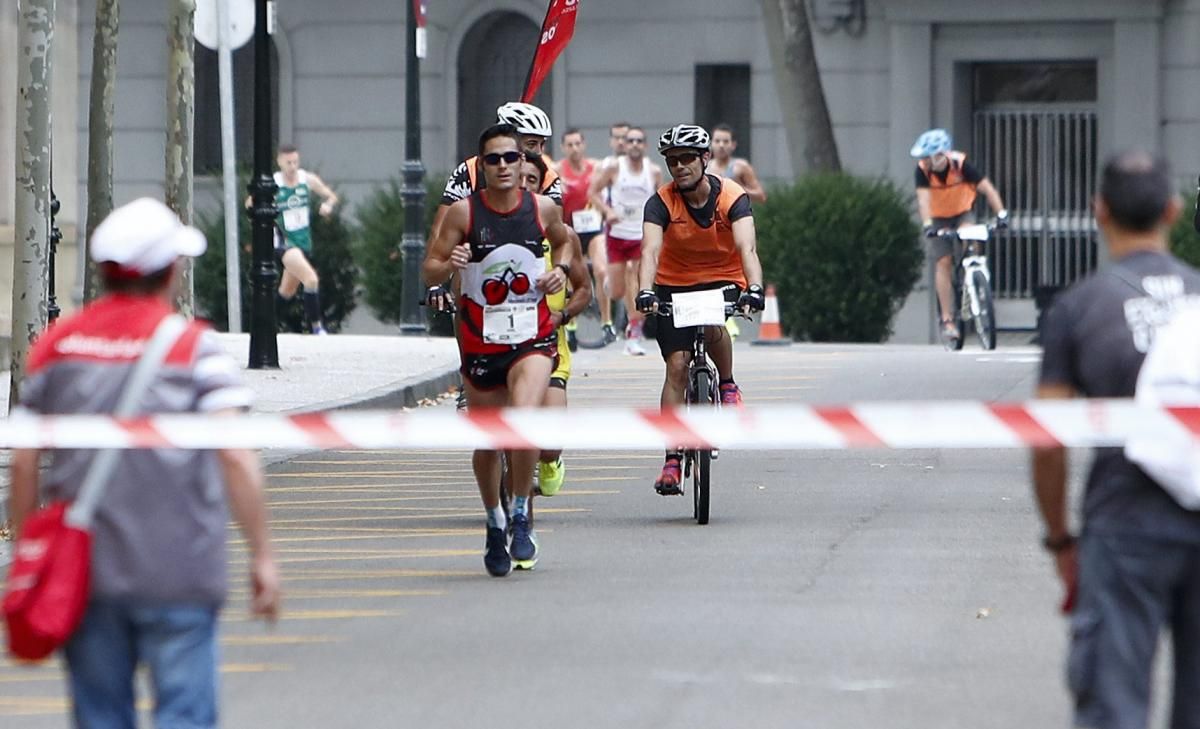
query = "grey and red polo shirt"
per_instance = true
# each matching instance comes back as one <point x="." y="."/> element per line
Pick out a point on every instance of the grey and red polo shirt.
<point x="159" y="532"/>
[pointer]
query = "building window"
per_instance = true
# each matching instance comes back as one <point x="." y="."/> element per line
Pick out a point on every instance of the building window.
<point x="723" y="97"/>
<point x="1025" y="83"/>
<point x="207" y="123"/>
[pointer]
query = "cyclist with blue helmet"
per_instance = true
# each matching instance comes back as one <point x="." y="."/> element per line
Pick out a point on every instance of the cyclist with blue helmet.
<point x="947" y="186"/>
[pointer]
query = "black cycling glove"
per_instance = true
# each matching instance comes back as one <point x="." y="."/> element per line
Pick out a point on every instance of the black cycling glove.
<point x="646" y="301"/>
<point x="439" y="299"/>
<point x="752" y="299"/>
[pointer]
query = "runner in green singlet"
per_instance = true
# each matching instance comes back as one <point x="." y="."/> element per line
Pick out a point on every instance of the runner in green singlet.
<point x="293" y="234"/>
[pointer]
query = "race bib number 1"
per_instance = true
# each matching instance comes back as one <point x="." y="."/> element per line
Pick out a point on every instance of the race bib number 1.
<point x="295" y="219"/>
<point x="586" y="221"/>
<point x="510" y="323"/>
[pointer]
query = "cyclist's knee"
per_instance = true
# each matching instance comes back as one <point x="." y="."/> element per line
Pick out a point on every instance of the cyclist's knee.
<point x="677" y="366"/>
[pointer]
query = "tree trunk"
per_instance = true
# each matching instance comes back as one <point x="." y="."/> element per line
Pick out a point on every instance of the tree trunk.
<point x="31" y="250"/>
<point x="100" y="129"/>
<point x="181" y="78"/>
<point x="798" y="82"/>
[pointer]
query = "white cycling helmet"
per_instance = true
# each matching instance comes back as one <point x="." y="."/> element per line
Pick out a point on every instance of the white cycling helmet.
<point x="934" y="141"/>
<point x="684" y="135"/>
<point x="527" y="118"/>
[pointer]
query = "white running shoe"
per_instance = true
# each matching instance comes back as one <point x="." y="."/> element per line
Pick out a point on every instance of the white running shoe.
<point x="634" y="347"/>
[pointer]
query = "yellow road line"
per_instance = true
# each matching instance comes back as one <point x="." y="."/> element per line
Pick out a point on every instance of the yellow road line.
<point x="395" y="517"/>
<point x="254" y="667"/>
<point x="376" y="500"/>
<point x="351" y="594"/>
<point x="465" y="485"/>
<point x="319" y="615"/>
<point x="31" y="677"/>
<point x="257" y="640"/>
<point x="361" y="537"/>
<point x="338" y="574"/>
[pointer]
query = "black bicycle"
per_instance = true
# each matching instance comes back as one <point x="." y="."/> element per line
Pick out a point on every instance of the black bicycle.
<point x="701" y="391"/>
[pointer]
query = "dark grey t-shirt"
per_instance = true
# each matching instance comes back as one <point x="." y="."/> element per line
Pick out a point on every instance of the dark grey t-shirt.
<point x="1094" y="339"/>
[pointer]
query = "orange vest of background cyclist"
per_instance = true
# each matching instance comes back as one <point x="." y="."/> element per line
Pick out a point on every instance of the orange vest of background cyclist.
<point x="954" y="194"/>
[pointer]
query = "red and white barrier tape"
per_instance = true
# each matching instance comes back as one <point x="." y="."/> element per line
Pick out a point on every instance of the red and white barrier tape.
<point x="951" y="424"/>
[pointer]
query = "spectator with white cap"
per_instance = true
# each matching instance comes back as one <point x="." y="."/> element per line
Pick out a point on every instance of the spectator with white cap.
<point x="158" y="557"/>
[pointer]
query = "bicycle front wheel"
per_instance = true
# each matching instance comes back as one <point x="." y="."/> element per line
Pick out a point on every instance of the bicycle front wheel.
<point x="703" y="464"/>
<point x="985" y="317"/>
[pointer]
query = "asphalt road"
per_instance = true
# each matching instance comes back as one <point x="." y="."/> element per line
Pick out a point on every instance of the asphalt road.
<point x="831" y="589"/>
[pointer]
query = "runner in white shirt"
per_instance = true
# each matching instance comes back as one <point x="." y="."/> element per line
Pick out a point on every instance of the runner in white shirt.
<point x="632" y="179"/>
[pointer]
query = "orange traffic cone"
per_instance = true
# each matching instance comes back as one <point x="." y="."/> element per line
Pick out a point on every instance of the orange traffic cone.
<point x="769" y="331"/>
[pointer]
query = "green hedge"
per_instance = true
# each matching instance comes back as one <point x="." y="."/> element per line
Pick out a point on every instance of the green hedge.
<point x="377" y="250"/>
<point x="332" y="257"/>
<point x="843" y="253"/>
<point x="1185" y="241"/>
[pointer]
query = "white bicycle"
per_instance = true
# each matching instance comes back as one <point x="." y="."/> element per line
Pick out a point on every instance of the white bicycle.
<point x="972" y="285"/>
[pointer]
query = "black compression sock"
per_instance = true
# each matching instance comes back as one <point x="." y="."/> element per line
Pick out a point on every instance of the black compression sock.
<point x="312" y="308"/>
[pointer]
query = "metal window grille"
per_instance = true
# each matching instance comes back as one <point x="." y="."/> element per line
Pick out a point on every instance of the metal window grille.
<point x="1043" y="164"/>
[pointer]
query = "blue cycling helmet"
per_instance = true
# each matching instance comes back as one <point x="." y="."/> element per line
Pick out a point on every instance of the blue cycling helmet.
<point x="934" y="141"/>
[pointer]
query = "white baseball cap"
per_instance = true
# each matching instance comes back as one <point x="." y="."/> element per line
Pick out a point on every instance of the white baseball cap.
<point x="144" y="237"/>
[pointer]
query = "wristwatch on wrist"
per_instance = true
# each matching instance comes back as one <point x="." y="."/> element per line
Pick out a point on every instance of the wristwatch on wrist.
<point x="564" y="268"/>
<point x="1058" y="544"/>
<point x="566" y="317"/>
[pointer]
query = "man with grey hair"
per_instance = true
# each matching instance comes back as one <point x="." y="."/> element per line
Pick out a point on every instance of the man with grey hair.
<point x="1135" y="567"/>
<point x="158" y="557"/>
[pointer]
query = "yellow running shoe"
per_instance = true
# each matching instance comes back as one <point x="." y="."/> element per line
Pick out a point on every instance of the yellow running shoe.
<point x="732" y="327"/>
<point x="550" y="476"/>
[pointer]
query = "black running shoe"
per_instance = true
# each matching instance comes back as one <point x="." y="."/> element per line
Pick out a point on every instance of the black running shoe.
<point x="496" y="559"/>
<point x="524" y="542"/>
<point x="609" y="334"/>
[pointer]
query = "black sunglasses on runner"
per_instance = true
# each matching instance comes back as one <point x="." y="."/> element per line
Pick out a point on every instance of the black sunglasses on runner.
<point x="493" y="158"/>
<point x="683" y="158"/>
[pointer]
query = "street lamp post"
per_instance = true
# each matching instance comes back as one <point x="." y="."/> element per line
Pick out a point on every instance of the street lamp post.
<point x="412" y="244"/>
<point x="52" y="308"/>
<point x="264" y="349"/>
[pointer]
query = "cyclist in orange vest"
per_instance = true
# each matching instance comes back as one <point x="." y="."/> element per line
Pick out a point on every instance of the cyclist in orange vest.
<point x="946" y="189"/>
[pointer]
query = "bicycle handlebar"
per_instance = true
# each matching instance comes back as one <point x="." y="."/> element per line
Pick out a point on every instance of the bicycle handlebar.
<point x="664" y="310"/>
<point x="952" y="233"/>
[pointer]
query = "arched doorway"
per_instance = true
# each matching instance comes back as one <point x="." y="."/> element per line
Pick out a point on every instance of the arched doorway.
<point x="493" y="61"/>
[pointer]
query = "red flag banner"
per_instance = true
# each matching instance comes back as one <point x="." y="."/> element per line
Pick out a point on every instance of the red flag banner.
<point x="557" y="29"/>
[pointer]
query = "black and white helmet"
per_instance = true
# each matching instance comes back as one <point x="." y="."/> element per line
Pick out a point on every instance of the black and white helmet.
<point x="684" y="135"/>
<point x="527" y="118"/>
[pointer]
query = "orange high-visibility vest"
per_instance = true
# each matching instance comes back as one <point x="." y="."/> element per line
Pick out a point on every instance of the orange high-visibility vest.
<point x="954" y="196"/>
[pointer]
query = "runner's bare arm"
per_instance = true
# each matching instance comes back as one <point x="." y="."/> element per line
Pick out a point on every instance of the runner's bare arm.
<point x="328" y="196"/>
<point x="559" y="236"/>
<point x="448" y="251"/>
<point x="581" y="282"/>
<point x="438" y="217"/>
<point x="748" y="179"/>
<point x="23" y="490"/>
<point x="656" y="175"/>
<point x="652" y="240"/>
<point x="602" y="180"/>
<point x="746" y="240"/>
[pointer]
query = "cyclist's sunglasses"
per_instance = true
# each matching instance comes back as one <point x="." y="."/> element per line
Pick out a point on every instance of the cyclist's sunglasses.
<point x="495" y="290"/>
<point x="683" y="158"/>
<point x="493" y="158"/>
